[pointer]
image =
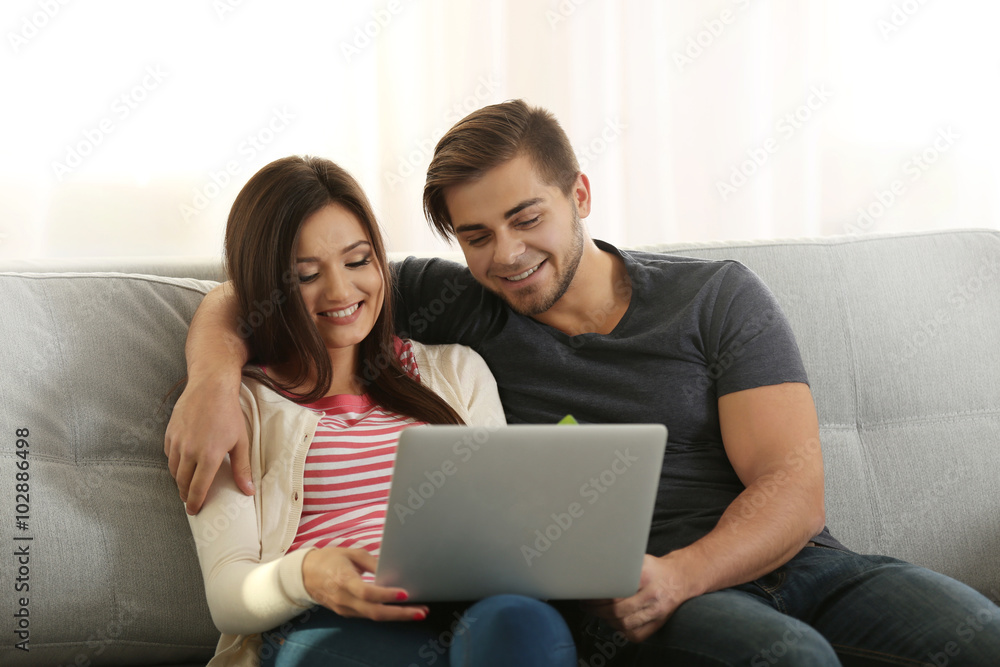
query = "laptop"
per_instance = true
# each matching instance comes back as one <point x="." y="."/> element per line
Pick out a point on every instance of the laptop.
<point x="548" y="511"/>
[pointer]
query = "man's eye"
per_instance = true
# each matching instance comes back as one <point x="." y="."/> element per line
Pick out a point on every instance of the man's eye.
<point x="308" y="279"/>
<point x="528" y="223"/>
<point x="477" y="241"/>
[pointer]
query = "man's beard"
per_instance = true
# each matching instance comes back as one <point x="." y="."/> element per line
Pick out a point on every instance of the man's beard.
<point x="533" y="303"/>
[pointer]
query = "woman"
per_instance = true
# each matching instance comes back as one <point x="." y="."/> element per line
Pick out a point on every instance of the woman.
<point x="288" y="573"/>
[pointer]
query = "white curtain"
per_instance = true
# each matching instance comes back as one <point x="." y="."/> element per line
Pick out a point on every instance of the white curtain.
<point x="129" y="126"/>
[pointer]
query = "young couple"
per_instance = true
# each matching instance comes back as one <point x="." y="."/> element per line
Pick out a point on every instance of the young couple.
<point x="292" y="518"/>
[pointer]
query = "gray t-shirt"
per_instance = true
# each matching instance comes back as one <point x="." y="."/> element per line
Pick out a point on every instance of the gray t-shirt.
<point x="694" y="330"/>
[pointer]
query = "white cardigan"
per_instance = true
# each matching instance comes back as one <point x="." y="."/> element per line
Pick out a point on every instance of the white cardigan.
<point x="252" y="584"/>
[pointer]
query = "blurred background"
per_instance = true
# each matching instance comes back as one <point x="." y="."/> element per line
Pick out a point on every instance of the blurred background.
<point x="129" y="126"/>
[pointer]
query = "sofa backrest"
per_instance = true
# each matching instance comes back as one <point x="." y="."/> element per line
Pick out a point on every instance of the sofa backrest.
<point x="111" y="574"/>
<point x="899" y="335"/>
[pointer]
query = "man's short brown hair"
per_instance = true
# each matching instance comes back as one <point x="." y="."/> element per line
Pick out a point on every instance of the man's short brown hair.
<point x="487" y="138"/>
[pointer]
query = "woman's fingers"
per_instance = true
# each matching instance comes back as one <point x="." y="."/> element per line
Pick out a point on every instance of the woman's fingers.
<point x="333" y="578"/>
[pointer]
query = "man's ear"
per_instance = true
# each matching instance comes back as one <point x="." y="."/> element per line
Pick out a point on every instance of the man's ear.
<point x="580" y="194"/>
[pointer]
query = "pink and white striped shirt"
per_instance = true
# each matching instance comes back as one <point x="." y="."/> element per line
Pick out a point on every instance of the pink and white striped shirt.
<point x="349" y="467"/>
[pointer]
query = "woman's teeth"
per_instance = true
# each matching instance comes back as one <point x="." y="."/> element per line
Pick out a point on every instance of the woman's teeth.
<point x="341" y="313"/>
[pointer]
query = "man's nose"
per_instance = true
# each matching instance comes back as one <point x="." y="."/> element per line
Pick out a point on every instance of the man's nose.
<point x="508" y="249"/>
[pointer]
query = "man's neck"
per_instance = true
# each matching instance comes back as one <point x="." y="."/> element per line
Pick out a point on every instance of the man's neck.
<point x="596" y="299"/>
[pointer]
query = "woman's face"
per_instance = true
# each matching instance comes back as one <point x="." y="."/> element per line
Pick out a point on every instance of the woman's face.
<point x="339" y="277"/>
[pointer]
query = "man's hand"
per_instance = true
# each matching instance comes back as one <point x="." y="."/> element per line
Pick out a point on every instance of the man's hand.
<point x="771" y="436"/>
<point x="332" y="576"/>
<point x="207" y="421"/>
<point x="639" y="616"/>
<point x="206" y="424"/>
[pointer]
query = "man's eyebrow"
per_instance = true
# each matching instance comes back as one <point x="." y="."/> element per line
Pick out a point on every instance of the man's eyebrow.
<point x="315" y="260"/>
<point x="477" y="226"/>
<point x="520" y="207"/>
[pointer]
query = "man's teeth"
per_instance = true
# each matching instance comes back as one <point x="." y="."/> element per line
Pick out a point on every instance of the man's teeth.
<point x="522" y="276"/>
<point x="341" y="313"/>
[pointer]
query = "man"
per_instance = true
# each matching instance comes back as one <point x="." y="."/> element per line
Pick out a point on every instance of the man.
<point x="740" y="568"/>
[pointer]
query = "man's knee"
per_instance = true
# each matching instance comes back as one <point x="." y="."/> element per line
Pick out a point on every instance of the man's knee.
<point x="797" y="644"/>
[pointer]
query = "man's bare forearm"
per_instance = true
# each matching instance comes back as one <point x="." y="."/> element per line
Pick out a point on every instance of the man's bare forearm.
<point x="771" y="435"/>
<point x="214" y="348"/>
<point x="753" y="537"/>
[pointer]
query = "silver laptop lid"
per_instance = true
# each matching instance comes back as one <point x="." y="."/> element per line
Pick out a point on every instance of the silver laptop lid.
<point x="549" y="511"/>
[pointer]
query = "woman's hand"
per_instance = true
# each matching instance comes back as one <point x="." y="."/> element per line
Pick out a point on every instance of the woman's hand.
<point x="332" y="576"/>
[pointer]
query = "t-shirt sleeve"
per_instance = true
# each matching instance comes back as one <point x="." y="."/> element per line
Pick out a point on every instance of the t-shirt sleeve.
<point x="750" y="341"/>
<point x="437" y="301"/>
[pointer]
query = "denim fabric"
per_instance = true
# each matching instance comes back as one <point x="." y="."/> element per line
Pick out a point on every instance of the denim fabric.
<point x="823" y="607"/>
<point x="503" y="630"/>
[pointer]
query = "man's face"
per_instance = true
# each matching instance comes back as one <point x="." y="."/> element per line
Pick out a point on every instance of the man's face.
<point x="522" y="239"/>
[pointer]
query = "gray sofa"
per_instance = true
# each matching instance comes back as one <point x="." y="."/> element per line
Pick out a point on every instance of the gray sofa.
<point x="899" y="334"/>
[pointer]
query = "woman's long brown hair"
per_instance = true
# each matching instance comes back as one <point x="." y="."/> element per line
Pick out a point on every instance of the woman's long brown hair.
<point x="261" y="236"/>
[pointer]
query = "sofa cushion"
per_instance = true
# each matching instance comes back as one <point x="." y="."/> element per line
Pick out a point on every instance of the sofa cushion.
<point x="112" y="576"/>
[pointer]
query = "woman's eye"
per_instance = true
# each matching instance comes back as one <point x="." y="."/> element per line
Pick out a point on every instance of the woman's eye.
<point x="357" y="265"/>
<point x="308" y="279"/>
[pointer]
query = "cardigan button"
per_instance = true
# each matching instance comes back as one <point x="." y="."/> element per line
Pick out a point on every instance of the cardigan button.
<point x="295" y="496"/>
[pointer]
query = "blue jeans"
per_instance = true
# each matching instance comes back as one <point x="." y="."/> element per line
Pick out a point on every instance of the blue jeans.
<point x="503" y="630"/>
<point x="823" y="607"/>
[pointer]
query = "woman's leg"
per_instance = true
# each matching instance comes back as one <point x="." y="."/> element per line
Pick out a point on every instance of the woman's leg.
<point x="505" y="630"/>
<point x="500" y="630"/>
<point x="322" y="637"/>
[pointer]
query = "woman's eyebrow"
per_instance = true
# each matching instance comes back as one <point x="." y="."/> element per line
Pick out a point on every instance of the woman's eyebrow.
<point x="315" y="260"/>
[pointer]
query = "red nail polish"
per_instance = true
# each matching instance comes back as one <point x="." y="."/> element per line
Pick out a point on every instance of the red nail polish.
<point x="401" y="596"/>
<point x="419" y="616"/>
